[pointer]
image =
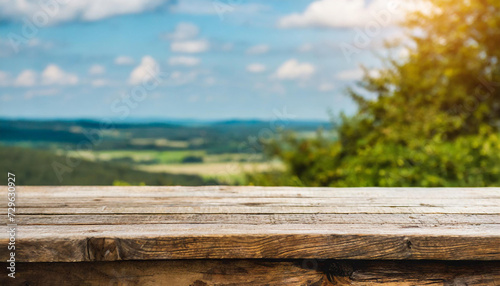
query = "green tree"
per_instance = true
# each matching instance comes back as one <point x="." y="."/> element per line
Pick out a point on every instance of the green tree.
<point x="435" y="117"/>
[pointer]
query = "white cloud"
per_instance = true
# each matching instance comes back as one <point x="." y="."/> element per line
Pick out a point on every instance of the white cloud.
<point x="88" y="11"/>
<point x="99" y="82"/>
<point x="267" y="87"/>
<point x="183" y="61"/>
<point x="221" y="8"/>
<point x="6" y="97"/>
<point x="195" y="7"/>
<point x="39" y="44"/>
<point x="26" y="78"/>
<point x="344" y="13"/>
<point x="305" y="48"/>
<point x="404" y="53"/>
<point x="326" y="87"/>
<point x="41" y="92"/>
<point x="191" y="47"/>
<point x="35" y="42"/>
<point x="184" y="42"/>
<point x="256" y="68"/>
<point x="4" y="78"/>
<point x="356" y="74"/>
<point x="374" y="73"/>
<point x="292" y="69"/>
<point x="97" y="70"/>
<point x="194" y="98"/>
<point x="124" y="61"/>
<point x="226" y="47"/>
<point x="183" y="31"/>
<point x="9" y="46"/>
<point x="145" y="71"/>
<point x="53" y="74"/>
<point x="181" y="78"/>
<point x="258" y="50"/>
<point x="210" y="80"/>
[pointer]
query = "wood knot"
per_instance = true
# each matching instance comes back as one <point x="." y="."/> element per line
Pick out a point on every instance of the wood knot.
<point x="103" y="249"/>
<point x="409" y="244"/>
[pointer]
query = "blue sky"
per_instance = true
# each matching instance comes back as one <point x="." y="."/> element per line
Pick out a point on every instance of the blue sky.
<point x="186" y="59"/>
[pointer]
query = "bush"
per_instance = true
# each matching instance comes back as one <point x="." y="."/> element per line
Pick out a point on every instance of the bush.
<point x="192" y="159"/>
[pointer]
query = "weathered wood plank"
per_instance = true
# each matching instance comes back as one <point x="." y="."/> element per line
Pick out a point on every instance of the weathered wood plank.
<point x="256" y="272"/>
<point x="231" y="209"/>
<point x="258" y="219"/>
<point x="250" y="191"/>
<point x="218" y="241"/>
<point x="412" y="273"/>
<point x="172" y="273"/>
<point x="289" y="201"/>
<point x="261" y="210"/>
<point x="136" y="223"/>
<point x="92" y="200"/>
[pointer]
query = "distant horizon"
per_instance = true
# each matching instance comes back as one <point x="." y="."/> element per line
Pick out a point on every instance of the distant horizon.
<point x="165" y="119"/>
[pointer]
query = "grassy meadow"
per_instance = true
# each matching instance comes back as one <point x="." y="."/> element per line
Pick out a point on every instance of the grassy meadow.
<point x="141" y="154"/>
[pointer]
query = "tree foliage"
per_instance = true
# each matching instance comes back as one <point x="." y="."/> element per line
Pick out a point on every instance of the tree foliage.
<point x="435" y="117"/>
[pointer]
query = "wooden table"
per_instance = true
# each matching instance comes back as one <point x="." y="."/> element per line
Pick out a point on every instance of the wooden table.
<point x="254" y="236"/>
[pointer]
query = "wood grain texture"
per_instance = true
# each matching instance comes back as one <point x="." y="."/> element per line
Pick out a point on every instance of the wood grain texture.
<point x="154" y="209"/>
<point x="413" y="220"/>
<point x="197" y="241"/>
<point x="257" y="272"/>
<point x="70" y="224"/>
<point x="235" y="191"/>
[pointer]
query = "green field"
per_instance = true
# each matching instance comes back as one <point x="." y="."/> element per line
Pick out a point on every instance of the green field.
<point x="225" y="172"/>
<point x="39" y="167"/>
<point x="222" y="153"/>
<point x="228" y="168"/>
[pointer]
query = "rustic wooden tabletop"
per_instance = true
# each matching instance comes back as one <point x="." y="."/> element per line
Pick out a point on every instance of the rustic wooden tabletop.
<point x="275" y="236"/>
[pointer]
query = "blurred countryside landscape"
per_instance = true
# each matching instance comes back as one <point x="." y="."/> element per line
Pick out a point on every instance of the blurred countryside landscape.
<point x="182" y="153"/>
<point x="418" y="106"/>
